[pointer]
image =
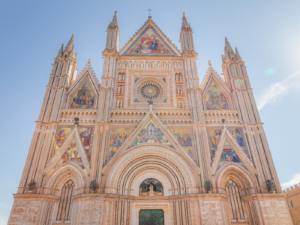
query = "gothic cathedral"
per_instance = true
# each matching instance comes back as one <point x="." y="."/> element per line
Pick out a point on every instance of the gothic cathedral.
<point x="150" y="144"/>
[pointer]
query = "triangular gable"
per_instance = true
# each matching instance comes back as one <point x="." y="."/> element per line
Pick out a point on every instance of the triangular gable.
<point x="229" y="156"/>
<point x="72" y="151"/>
<point x="229" y="151"/>
<point x="149" y="41"/>
<point x="210" y="75"/>
<point x="159" y="134"/>
<point x="86" y="73"/>
<point x="151" y="134"/>
<point x="215" y="92"/>
<point x="63" y="132"/>
<point x="83" y="96"/>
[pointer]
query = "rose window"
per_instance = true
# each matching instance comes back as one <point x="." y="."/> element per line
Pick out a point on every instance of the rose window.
<point x="150" y="90"/>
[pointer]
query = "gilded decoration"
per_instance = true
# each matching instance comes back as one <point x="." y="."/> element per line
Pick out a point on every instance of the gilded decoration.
<point x="215" y="99"/>
<point x="151" y="134"/>
<point x="184" y="138"/>
<point x="85" y="134"/>
<point x="214" y="135"/>
<point x="149" y="43"/>
<point x="117" y="137"/>
<point x="84" y="97"/>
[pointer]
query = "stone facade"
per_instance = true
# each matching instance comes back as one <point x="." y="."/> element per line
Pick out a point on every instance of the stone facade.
<point x="150" y="137"/>
<point x="293" y="202"/>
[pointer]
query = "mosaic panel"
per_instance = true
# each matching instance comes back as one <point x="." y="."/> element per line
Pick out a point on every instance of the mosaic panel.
<point x="150" y="43"/>
<point x="215" y="100"/>
<point x="83" y="98"/>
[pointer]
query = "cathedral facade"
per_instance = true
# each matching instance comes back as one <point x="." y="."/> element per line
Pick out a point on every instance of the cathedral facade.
<point x="151" y="144"/>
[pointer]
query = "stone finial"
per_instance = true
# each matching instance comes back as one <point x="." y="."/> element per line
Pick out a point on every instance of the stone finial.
<point x="89" y="62"/>
<point x="209" y="63"/>
<point x="76" y="121"/>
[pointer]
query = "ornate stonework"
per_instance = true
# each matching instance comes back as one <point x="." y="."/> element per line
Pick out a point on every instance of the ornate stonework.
<point x="149" y="137"/>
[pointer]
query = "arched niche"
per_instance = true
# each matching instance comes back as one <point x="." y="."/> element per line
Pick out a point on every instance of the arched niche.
<point x="151" y="187"/>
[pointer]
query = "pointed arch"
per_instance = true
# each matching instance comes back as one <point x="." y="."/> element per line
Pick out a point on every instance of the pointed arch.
<point x="55" y="180"/>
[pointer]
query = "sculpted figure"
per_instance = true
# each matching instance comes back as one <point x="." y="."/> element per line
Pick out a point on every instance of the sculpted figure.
<point x="93" y="186"/>
<point x="271" y="186"/>
<point x="207" y="186"/>
<point x="31" y="185"/>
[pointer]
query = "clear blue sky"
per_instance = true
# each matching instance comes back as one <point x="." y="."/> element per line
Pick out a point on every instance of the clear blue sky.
<point x="266" y="34"/>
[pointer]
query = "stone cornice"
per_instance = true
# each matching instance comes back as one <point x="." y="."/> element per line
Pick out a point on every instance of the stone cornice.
<point x="189" y="54"/>
<point x="110" y="52"/>
<point x="263" y="196"/>
<point x="36" y="196"/>
<point x="120" y="57"/>
<point x="93" y="196"/>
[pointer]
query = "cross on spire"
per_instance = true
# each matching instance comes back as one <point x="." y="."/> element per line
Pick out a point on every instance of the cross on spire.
<point x="149" y="10"/>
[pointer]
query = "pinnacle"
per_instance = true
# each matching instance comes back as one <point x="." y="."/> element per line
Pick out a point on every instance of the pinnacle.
<point x="89" y="62"/>
<point x="228" y="50"/>
<point x="70" y="44"/>
<point x="185" y="24"/>
<point x="61" y="50"/>
<point x="114" y="22"/>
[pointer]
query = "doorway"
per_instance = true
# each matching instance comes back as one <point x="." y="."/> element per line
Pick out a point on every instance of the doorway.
<point x="151" y="217"/>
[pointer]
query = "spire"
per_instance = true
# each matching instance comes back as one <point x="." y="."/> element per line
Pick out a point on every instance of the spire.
<point x="114" y="23"/>
<point x="70" y="44"/>
<point x="228" y="50"/>
<point x="61" y="50"/>
<point x="185" y="24"/>
<point x="237" y="53"/>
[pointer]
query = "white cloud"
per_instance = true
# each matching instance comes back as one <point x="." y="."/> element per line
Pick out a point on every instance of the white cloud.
<point x="277" y="90"/>
<point x="292" y="182"/>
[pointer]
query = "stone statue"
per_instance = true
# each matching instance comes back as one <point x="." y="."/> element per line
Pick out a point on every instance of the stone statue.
<point x="271" y="185"/>
<point x="31" y="185"/>
<point x="207" y="186"/>
<point x="76" y="121"/>
<point x="93" y="186"/>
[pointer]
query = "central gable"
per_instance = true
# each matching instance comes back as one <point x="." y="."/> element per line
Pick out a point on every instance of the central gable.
<point x="150" y="41"/>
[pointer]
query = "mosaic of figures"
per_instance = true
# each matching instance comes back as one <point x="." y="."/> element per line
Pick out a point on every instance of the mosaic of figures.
<point x="149" y="43"/>
<point x="215" y="99"/>
<point x="85" y="133"/>
<point x="117" y="138"/>
<point x="136" y="64"/>
<point x="214" y="134"/>
<point x="71" y="155"/>
<point x="151" y="134"/>
<point x="83" y="98"/>
<point x="184" y="138"/>
<point x="228" y="156"/>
